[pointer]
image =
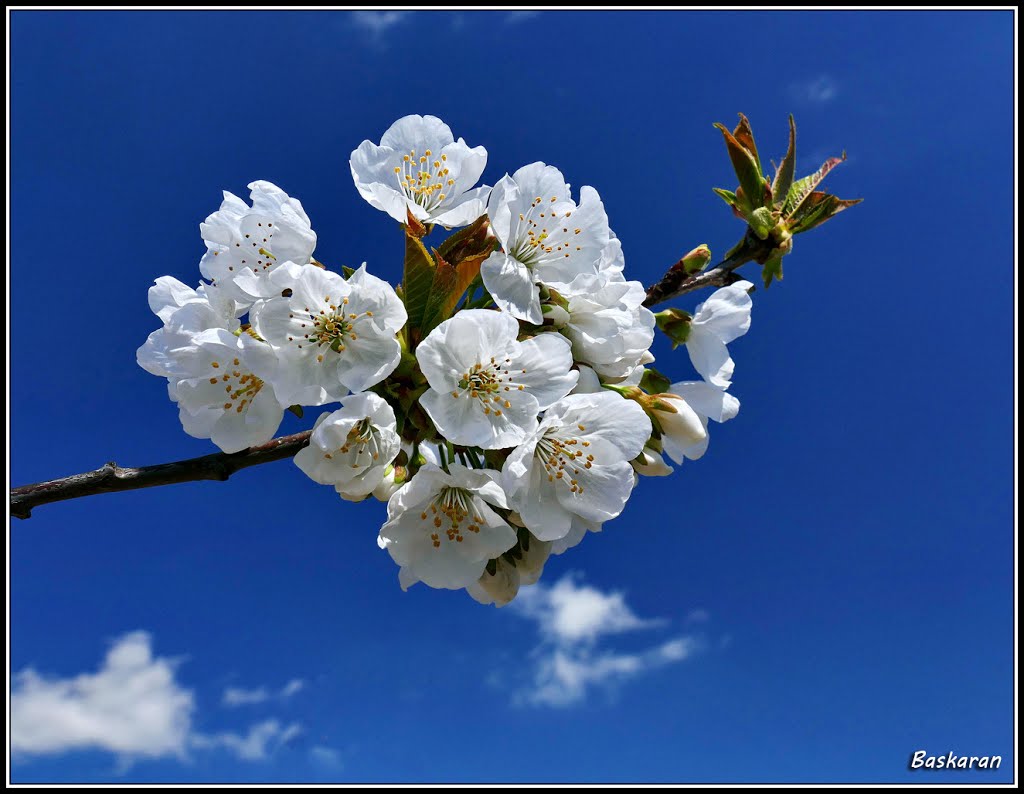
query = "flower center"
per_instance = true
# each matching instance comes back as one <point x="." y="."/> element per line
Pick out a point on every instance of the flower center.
<point x="543" y="234"/>
<point x="423" y="178"/>
<point x="563" y="457"/>
<point x="331" y="327"/>
<point x="254" y="249"/>
<point x="366" y="441"/>
<point x="452" y="507"/>
<point x="240" y="387"/>
<point x="487" y="383"/>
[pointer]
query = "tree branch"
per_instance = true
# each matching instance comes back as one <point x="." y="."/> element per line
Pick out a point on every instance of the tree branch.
<point x="111" y="478"/>
<point x="676" y="282"/>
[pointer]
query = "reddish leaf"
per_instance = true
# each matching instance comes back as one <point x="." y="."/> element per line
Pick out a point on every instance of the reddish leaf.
<point x="747" y="169"/>
<point x="784" y="173"/>
<point x="803" y="188"/>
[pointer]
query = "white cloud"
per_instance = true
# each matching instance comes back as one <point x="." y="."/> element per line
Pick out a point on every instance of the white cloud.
<point x="237" y="696"/>
<point x="816" y="91"/>
<point x="377" y="23"/>
<point x="258" y="744"/>
<point x="131" y="706"/>
<point x="569" y="613"/>
<point x="571" y="617"/>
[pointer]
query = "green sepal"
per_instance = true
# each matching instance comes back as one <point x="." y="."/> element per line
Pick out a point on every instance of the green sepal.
<point x="653" y="382"/>
<point x="772" y="268"/>
<point x="675" y="324"/>
<point x="296" y="409"/>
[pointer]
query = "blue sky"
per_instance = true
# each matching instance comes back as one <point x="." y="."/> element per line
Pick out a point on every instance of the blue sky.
<point x="828" y="590"/>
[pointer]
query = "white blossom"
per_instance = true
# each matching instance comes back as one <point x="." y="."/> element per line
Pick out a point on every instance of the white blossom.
<point x="168" y="351"/>
<point x="486" y="388"/>
<point x="420" y="168"/>
<point x="545" y="237"/>
<point x="576" y="463"/>
<point x="248" y="243"/>
<point x="577" y="531"/>
<point x="716" y="322"/>
<point x="352" y="447"/>
<point x="609" y="328"/>
<point x="442" y="528"/>
<point x="221" y="397"/>
<point x="707" y="401"/>
<point x="332" y="335"/>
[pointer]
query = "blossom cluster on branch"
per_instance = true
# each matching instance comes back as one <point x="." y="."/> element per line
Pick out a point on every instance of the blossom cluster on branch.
<point x="500" y="399"/>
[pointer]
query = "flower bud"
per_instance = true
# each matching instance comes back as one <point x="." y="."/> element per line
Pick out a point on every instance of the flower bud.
<point x="677" y="420"/>
<point x="697" y="259"/>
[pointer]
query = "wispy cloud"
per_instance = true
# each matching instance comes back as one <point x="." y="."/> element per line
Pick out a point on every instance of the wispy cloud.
<point x="258" y="744"/>
<point x="133" y="707"/>
<point x="327" y="756"/>
<point x="816" y="91"/>
<point x="377" y="23"/>
<point x="237" y="696"/>
<point x="572" y="618"/>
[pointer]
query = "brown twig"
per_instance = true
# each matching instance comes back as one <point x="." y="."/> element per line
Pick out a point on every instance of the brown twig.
<point x="676" y="282"/>
<point x="110" y="477"/>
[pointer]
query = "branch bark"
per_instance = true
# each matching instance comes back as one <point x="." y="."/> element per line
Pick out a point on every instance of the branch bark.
<point x="111" y="478"/>
<point x="676" y="282"/>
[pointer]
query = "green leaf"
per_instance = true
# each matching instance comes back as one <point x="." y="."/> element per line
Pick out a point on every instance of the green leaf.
<point x="296" y="409"/>
<point x="450" y="284"/>
<point x="783" y="180"/>
<point x="727" y="196"/>
<point x="653" y="382"/>
<point x="747" y="169"/>
<point x="817" y="208"/>
<point x="417" y="283"/>
<point x="801" y="189"/>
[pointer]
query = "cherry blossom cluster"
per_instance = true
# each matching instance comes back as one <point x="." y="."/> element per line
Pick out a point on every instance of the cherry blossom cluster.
<point x="502" y="432"/>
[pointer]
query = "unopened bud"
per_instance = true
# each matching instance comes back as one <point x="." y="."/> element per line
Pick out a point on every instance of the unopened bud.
<point x="761" y="222"/>
<point x="697" y="259"/>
